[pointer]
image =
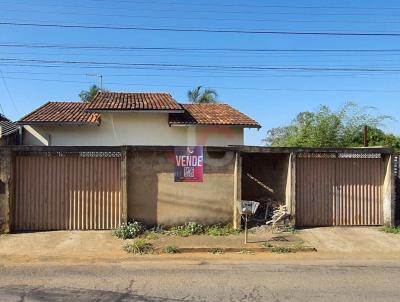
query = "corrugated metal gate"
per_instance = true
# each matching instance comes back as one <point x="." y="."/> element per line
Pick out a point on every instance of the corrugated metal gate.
<point x="339" y="189"/>
<point x="77" y="191"/>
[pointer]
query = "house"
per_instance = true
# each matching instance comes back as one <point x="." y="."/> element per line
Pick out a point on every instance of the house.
<point x="114" y="118"/>
<point x="9" y="132"/>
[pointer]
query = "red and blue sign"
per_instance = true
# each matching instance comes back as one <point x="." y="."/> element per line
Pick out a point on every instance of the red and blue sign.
<point x="189" y="162"/>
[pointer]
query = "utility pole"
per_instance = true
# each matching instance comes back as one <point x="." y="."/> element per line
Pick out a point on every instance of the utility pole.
<point x="366" y="143"/>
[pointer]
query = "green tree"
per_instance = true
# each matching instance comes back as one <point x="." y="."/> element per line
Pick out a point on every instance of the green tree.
<point x="200" y="95"/>
<point x="328" y="128"/>
<point x="88" y="95"/>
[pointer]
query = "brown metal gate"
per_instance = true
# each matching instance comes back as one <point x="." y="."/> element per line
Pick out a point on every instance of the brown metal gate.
<point x="67" y="191"/>
<point x="339" y="189"/>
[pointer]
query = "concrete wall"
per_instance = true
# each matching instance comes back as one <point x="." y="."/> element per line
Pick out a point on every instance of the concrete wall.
<point x="154" y="197"/>
<point x="126" y="128"/>
<point x="271" y="170"/>
<point x="388" y="191"/>
<point x="6" y="190"/>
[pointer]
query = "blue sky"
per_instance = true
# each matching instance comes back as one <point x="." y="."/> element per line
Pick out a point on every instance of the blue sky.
<point x="31" y="75"/>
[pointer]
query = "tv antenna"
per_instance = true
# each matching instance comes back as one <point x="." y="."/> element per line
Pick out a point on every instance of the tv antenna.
<point x="97" y="76"/>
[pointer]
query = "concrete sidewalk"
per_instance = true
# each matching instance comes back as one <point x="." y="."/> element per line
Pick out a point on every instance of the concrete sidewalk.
<point x="352" y="240"/>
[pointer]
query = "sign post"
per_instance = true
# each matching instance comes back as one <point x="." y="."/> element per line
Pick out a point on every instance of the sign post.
<point x="189" y="162"/>
<point x="246" y="208"/>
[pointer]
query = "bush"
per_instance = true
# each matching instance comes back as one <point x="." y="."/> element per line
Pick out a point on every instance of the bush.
<point x="188" y="229"/>
<point x="171" y="249"/>
<point x="221" y="230"/>
<point x="139" y="246"/>
<point x="130" y="230"/>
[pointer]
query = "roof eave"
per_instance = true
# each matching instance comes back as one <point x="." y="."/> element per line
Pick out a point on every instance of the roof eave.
<point x="48" y="123"/>
<point x="213" y="125"/>
<point x="137" y="110"/>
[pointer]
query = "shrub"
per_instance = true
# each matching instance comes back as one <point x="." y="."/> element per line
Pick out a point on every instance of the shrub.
<point x="171" y="249"/>
<point x="130" y="230"/>
<point x="139" y="246"/>
<point x="188" y="229"/>
<point x="221" y="230"/>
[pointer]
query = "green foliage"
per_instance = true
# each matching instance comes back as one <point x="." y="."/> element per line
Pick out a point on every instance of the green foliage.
<point x="328" y="128"/>
<point x="221" y="230"/>
<point x="188" y="229"/>
<point x="130" y="230"/>
<point x="200" y="95"/>
<point x="171" y="249"/>
<point x="139" y="246"/>
<point x="392" y="230"/>
<point x="88" y="95"/>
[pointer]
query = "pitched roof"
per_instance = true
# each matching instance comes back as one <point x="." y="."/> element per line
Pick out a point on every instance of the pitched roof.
<point x="106" y="101"/>
<point x="61" y="112"/>
<point x="7" y="127"/>
<point x="212" y="114"/>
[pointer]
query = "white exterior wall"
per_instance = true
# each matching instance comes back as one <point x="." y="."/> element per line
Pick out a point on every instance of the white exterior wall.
<point x="126" y="128"/>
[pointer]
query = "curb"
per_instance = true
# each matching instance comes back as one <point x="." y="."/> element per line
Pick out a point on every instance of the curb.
<point x="238" y="250"/>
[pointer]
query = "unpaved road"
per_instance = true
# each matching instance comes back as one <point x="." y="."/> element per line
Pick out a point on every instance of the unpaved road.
<point x="211" y="279"/>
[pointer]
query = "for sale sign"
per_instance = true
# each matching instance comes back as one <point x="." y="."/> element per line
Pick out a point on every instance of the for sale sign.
<point x="189" y="164"/>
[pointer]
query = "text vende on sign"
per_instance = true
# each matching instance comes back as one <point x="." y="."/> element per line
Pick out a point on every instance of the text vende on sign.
<point x="189" y="163"/>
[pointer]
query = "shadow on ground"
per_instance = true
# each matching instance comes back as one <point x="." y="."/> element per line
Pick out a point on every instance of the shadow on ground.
<point x="27" y="293"/>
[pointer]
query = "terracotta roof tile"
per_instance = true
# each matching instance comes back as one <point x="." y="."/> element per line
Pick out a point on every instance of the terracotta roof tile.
<point x="61" y="112"/>
<point x="105" y="101"/>
<point x="211" y="114"/>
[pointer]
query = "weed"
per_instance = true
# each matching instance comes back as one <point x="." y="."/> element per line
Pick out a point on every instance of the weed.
<point x="291" y="230"/>
<point x="221" y="230"/>
<point x="139" y="246"/>
<point x="149" y="235"/>
<point x="281" y="249"/>
<point x="188" y="229"/>
<point x="216" y="251"/>
<point x="276" y="248"/>
<point x="171" y="249"/>
<point x="246" y="252"/>
<point x="392" y="230"/>
<point x="129" y="230"/>
<point x="267" y="245"/>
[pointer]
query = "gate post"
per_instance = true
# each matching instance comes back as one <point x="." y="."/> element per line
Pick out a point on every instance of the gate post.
<point x="388" y="191"/>
<point x="124" y="184"/>
<point x="291" y="190"/>
<point x="6" y="189"/>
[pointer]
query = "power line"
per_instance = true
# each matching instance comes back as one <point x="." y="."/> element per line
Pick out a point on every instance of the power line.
<point x="8" y="92"/>
<point x="225" y="11"/>
<point x="233" y="67"/>
<point x="216" y="87"/>
<point x="203" y="30"/>
<point x="105" y="47"/>
<point x="249" y="5"/>
<point x="164" y="17"/>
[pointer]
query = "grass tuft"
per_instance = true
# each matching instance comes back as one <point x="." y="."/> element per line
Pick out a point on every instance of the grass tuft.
<point x="171" y="249"/>
<point x="391" y="230"/>
<point x="139" y="246"/>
